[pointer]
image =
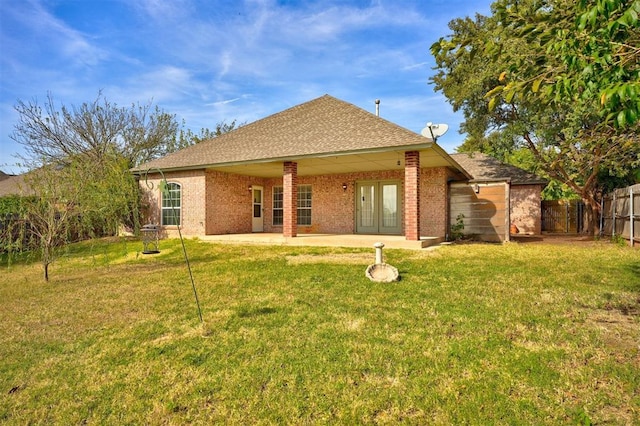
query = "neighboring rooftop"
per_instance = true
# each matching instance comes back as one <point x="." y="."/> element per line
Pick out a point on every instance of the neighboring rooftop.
<point x="14" y="185"/>
<point x="325" y="125"/>
<point x="485" y="168"/>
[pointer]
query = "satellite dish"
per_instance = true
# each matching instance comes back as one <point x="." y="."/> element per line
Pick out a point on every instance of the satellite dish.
<point x="434" y="131"/>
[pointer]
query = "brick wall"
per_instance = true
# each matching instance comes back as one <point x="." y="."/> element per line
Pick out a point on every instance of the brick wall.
<point x="192" y="200"/>
<point x="526" y="212"/>
<point x="434" y="202"/>
<point x="334" y="208"/>
<point x="229" y="203"/>
<point x="219" y="203"/>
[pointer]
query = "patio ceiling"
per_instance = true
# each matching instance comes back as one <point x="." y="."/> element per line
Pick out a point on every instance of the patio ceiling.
<point x="327" y="164"/>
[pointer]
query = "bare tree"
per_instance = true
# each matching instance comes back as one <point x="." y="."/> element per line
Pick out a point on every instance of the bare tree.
<point x="98" y="130"/>
<point x="51" y="212"/>
<point x="103" y="141"/>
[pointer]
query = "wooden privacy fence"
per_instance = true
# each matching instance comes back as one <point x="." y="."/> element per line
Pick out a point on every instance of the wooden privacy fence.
<point x="483" y="208"/>
<point x="562" y="216"/>
<point x="620" y="214"/>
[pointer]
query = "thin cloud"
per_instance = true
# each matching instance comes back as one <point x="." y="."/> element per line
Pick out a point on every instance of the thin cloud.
<point x="163" y="11"/>
<point x="415" y="66"/>
<point x="53" y="35"/>
<point x="164" y="85"/>
<point x="225" y="102"/>
<point x="214" y="60"/>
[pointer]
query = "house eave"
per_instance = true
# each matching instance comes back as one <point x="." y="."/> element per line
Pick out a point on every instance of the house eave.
<point x="374" y="155"/>
<point x="453" y="163"/>
<point x="508" y="180"/>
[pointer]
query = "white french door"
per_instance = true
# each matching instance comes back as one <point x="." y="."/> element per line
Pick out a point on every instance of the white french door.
<point x="378" y="208"/>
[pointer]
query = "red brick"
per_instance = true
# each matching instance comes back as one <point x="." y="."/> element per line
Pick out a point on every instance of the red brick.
<point x="412" y="195"/>
<point x="214" y="202"/>
<point x="290" y="199"/>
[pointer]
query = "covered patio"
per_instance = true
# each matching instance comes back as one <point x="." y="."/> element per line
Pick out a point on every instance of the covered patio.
<point x="324" y="170"/>
<point x="324" y="240"/>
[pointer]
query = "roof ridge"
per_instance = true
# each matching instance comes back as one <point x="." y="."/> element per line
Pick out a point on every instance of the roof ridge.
<point x="319" y="126"/>
<point x="495" y="169"/>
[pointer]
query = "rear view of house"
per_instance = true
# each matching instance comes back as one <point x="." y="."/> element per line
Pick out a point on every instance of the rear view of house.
<point x="325" y="166"/>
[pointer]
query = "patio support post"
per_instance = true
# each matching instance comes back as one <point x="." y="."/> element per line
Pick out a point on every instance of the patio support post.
<point x="290" y="201"/>
<point x="412" y="195"/>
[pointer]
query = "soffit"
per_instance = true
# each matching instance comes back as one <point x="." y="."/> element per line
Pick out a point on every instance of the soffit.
<point x="337" y="164"/>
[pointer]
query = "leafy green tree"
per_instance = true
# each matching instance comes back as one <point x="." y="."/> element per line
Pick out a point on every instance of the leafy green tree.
<point x="13" y="232"/>
<point x="557" y="77"/>
<point x="187" y="137"/>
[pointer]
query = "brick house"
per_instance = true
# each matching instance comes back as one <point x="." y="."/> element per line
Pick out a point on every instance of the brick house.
<point x="324" y="166"/>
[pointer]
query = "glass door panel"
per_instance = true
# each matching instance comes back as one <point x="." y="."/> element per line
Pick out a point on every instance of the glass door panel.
<point x="366" y="220"/>
<point x="389" y="206"/>
<point x="390" y="222"/>
<point x="378" y="208"/>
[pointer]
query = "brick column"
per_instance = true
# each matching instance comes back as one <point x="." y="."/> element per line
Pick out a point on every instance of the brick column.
<point x="290" y="202"/>
<point x="412" y="195"/>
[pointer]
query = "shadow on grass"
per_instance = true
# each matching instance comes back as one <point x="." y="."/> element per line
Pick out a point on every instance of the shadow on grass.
<point x="635" y="270"/>
<point x="525" y="239"/>
<point x="106" y="247"/>
<point x="245" y="312"/>
<point x="23" y="258"/>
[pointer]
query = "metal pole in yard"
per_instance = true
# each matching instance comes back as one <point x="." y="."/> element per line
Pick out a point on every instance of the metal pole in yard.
<point x="631" y="218"/>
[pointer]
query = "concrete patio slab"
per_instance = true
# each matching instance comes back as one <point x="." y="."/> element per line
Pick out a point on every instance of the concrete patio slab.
<point x="324" y="240"/>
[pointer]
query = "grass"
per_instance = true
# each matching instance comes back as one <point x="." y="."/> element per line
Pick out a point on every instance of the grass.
<point x="480" y="334"/>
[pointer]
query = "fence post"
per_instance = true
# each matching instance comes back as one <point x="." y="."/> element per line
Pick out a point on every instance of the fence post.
<point x="613" y="215"/>
<point x="602" y="214"/>
<point x="631" y="218"/>
<point x="579" y="217"/>
<point x="566" y="217"/>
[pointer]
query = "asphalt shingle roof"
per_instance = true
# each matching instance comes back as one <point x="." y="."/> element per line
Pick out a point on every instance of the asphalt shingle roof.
<point x="15" y="185"/>
<point x="321" y="126"/>
<point x="484" y="167"/>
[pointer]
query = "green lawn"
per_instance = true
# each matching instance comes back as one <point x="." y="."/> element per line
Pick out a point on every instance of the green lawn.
<point x="480" y="334"/>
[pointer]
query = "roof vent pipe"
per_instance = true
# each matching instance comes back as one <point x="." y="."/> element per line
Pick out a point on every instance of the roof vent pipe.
<point x="377" y="107"/>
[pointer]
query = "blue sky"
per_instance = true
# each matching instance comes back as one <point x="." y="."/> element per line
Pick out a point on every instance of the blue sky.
<point x="209" y="61"/>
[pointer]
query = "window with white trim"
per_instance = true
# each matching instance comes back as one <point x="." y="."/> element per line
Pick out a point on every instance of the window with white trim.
<point x="278" y="204"/>
<point x="304" y="205"/>
<point x="171" y="206"/>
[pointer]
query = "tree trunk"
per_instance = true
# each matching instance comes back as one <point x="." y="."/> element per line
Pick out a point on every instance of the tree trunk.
<point x="591" y="216"/>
